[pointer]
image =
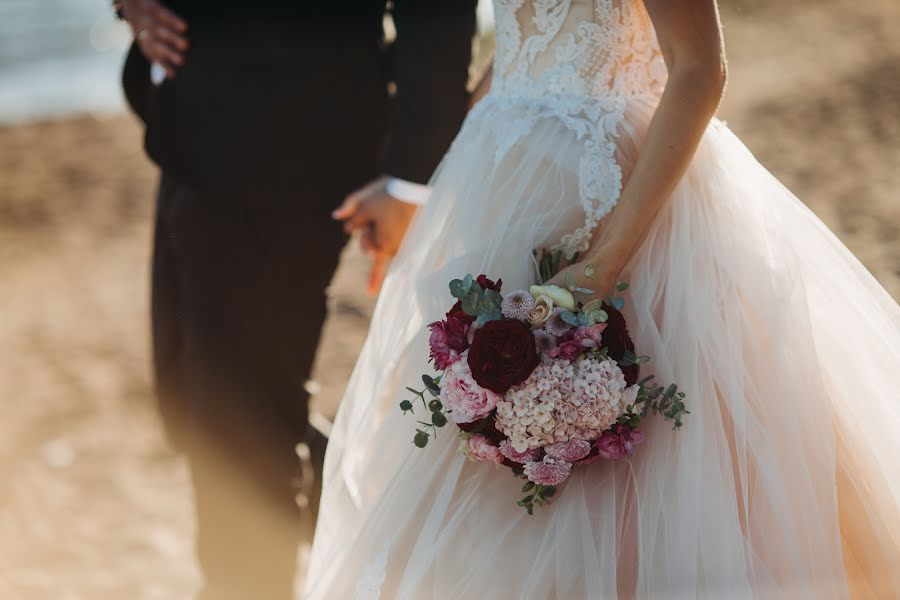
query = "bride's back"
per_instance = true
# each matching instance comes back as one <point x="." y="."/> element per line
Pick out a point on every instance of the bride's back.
<point x="582" y="47"/>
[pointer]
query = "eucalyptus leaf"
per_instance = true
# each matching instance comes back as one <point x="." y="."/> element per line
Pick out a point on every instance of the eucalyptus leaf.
<point x="600" y="316"/>
<point x="569" y="317"/>
<point x="592" y="305"/>
<point x="421" y="439"/>
<point x="456" y="288"/>
<point x="492" y="300"/>
<point x="438" y="419"/>
<point x="431" y="385"/>
<point x="621" y="286"/>
<point x="406" y="405"/>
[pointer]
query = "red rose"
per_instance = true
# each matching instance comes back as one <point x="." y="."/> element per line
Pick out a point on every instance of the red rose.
<point x="457" y="311"/>
<point x="503" y="354"/>
<point x="616" y="340"/>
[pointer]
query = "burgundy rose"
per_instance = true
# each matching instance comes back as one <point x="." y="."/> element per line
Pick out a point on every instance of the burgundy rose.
<point x="503" y="354"/>
<point x="457" y="311"/>
<point x="617" y="341"/>
<point x="485" y="426"/>
<point x="447" y="341"/>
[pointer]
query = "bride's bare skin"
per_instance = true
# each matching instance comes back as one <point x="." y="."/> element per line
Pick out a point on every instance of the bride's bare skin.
<point x="690" y="37"/>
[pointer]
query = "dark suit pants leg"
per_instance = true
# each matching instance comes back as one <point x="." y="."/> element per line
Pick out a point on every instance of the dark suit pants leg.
<point x="238" y="304"/>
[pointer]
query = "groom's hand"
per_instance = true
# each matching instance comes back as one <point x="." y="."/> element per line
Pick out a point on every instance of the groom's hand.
<point x="159" y="32"/>
<point x="382" y="221"/>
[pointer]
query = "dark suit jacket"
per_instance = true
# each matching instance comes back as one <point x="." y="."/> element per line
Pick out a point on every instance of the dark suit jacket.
<point x="282" y="99"/>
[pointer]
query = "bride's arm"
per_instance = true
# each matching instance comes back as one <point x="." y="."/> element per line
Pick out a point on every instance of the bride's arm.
<point x="690" y="37"/>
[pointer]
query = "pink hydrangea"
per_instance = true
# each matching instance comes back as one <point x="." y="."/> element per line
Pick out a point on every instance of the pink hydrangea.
<point x="447" y="341"/>
<point x="589" y="337"/>
<point x="570" y="451"/>
<point x="481" y="449"/>
<point x="563" y="400"/>
<point x="549" y="471"/>
<point x="509" y="452"/>
<point x="464" y="398"/>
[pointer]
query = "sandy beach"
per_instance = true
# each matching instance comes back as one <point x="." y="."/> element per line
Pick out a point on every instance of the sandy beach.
<point x="95" y="505"/>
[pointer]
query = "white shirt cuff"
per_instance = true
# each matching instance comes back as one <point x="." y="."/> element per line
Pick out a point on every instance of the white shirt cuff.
<point x="414" y="193"/>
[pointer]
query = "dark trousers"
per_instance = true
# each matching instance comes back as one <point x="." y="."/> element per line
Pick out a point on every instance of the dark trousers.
<point x="238" y="304"/>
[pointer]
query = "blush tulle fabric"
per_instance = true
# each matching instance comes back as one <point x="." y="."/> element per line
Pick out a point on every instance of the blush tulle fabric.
<point x="784" y="481"/>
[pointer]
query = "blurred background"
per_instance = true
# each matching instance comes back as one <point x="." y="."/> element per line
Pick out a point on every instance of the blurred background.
<point x="92" y="503"/>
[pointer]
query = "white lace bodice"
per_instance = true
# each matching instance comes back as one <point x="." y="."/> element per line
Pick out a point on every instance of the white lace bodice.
<point x="579" y="61"/>
<point x="590" y="48"/>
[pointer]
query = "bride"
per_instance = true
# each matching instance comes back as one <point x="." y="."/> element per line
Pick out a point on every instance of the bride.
<point x="598" y="137"/>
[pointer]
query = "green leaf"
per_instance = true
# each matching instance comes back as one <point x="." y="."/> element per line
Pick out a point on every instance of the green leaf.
<point x="599" y="316"/>
<point x="416" y="392"/>
<point x="421" y="439"/>
<point x="431" y="385"/>
<point x="640" y="360"/>
<point x="468" y="280"/>
<point x="438" y="419"/>
<point x="458" y="289"/>
<point x="492" y="300"/>
<point x="592" y="305"/>
<point x="569" y="317"/>
<point x="621" y="286"/>
<point x="570" y="281"/>
<point x="435" y="405"/>
<point x="528" y="486"/>
<point x="486" y="317"/>
<point x="406" y="405"/>
<point x="549" y="491"/>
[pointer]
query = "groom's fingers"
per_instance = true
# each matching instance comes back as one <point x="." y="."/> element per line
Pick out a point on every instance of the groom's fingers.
<point x="348" y="207"/>
<point x="379" y="268"/>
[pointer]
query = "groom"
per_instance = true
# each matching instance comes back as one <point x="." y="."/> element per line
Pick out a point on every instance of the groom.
<point x="270" y="114"/>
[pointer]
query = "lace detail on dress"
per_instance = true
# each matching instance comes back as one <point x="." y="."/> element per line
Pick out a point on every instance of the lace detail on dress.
<point x="578" y="61"/>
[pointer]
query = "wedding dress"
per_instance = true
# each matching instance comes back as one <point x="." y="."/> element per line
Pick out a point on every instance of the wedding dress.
<point x="785" y="480"/>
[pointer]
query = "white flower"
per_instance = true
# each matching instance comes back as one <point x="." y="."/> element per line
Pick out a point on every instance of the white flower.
<point x="560" y="296"/>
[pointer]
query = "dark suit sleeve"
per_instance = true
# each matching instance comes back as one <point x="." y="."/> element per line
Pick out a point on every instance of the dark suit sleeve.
<point x="431" y="57"/>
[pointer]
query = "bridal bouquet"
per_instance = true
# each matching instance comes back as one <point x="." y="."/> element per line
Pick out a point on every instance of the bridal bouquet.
<point x="538" y="382"/>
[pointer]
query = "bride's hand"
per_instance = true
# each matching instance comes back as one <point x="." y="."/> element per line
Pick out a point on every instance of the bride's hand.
<point x="598" y="272"/>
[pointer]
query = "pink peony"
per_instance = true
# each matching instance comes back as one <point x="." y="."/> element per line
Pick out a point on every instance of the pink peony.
<point x="567" y="350"/>
<point x="512" y="454"/>
<point x="571" y="451"/>
<point x="615" y="444"/>
<point x="589" y="337"/>
<point x="481" y="449"/>
<point x="448" y="340"/>
<point x="548" y="472"/>
<point x="464" y="398"/>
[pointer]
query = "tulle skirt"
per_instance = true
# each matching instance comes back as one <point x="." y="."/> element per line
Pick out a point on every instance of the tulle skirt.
<point x="784" y="481"/>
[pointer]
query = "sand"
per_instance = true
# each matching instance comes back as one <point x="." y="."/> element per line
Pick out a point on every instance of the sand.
<point x="94" y="505"/>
